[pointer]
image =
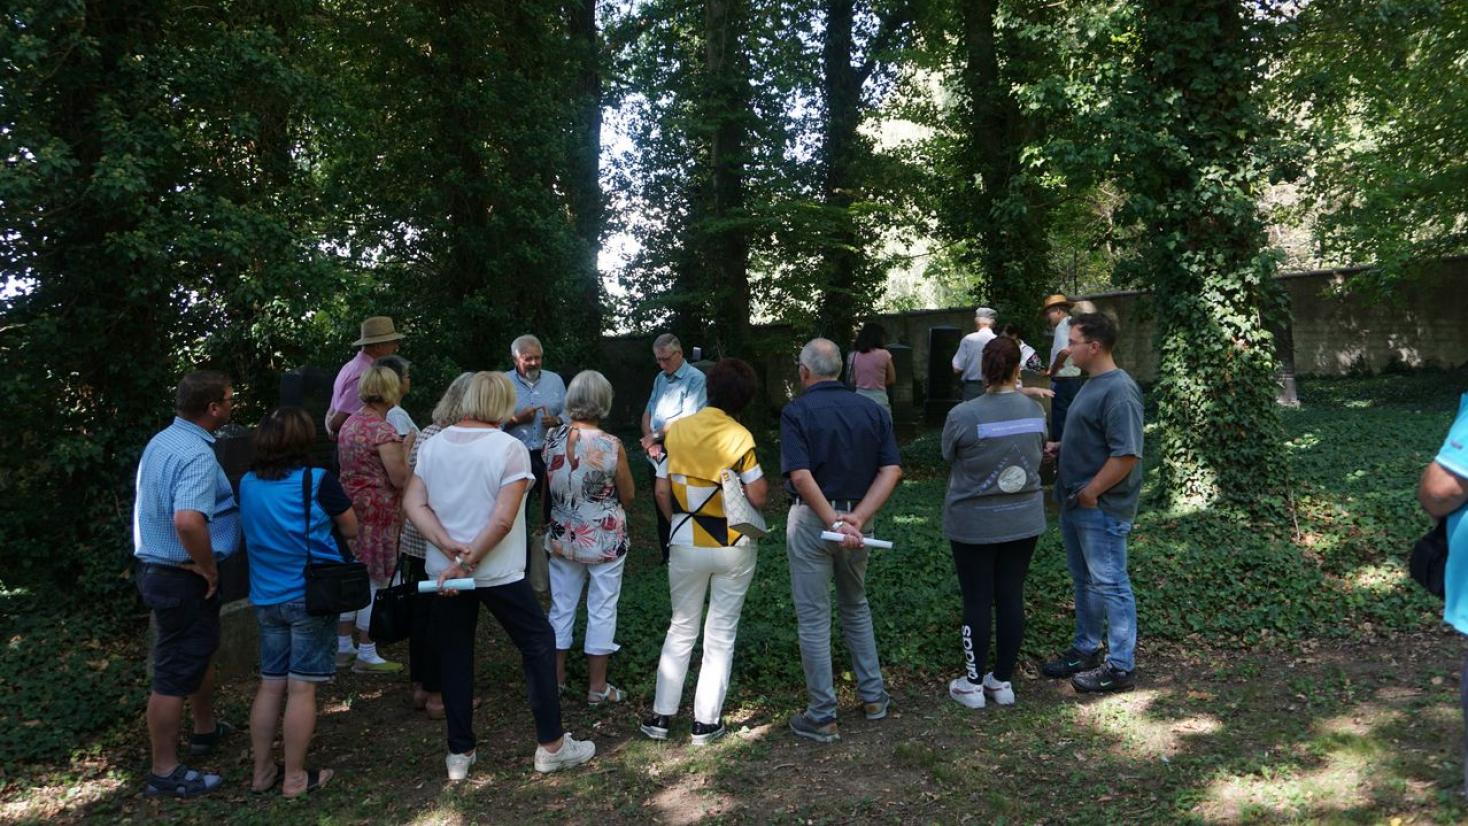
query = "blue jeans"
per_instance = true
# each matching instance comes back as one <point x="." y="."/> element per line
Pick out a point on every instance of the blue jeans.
<point x="295" y="644"/>
<point x="1095" y="552"/>
<point x="814" y="562"/>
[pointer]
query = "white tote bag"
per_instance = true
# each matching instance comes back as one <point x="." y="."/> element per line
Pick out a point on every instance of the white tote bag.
<point x="738" y="512"/>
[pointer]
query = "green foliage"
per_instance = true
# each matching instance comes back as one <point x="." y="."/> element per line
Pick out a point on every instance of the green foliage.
<point x="1194" y="148"/>
<point x="1383" y="129"/>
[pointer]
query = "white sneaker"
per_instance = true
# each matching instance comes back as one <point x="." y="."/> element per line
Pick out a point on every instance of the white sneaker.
<point x="1001" y="693"/>
<point x="459" y="764"/>
<point x="572" y="753"/>
<point x="966" y="693"/>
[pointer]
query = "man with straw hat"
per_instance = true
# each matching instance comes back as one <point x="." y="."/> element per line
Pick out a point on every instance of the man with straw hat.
<point x="378" y="339"/>
<point x="1065" y="376"/>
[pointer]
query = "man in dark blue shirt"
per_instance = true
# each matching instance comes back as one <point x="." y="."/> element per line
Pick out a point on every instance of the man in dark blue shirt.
<point x="840" y="460"/>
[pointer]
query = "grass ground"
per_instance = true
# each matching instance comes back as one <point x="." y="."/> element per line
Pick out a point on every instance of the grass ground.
<point x="1290" y="673"/>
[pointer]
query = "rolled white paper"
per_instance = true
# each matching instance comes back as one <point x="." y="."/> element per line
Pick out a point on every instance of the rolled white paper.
<point x="832" y="536"/>
<point x="430" y="586"/>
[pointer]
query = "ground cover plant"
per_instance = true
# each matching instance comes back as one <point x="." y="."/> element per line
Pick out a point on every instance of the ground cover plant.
<point x="1291" y="671"/>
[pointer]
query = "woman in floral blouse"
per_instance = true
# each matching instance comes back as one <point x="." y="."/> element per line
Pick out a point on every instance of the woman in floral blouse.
<point x="588" y="481"/>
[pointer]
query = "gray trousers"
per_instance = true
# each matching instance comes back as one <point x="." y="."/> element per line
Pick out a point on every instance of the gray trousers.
<point x="814" y="562"/>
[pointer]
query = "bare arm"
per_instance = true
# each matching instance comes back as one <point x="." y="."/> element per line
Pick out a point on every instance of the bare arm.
<point x="501" y="521"/>
<point x="810" y="494"/>
<point x="395" y="460"/>
<point x="334" y="421"/>
<point x="626" y="489"/>
<point x="1115" y="470"/>
<point x="758" y="492"/>
<point x="662" y="493"/>
<point x="346" y="523"/>
<point x="876" y="496"/>
<point x="1441" y="492"/>
<point x="193" y="532"/>
<point x="415" y="505"/>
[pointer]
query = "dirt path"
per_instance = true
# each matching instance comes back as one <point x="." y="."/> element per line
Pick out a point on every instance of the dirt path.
<point x="1362" y="734"/>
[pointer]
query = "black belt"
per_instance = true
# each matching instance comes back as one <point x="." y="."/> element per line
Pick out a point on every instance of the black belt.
<point x="841" y="505"/>
<point x="158" y="568"/>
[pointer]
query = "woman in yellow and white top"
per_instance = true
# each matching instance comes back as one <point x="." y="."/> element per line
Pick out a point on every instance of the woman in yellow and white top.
<point x="706" y="556"/>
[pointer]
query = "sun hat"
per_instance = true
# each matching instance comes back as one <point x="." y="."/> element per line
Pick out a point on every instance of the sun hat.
<point x="1057" y="300"/>
<point x="377" y="330"/>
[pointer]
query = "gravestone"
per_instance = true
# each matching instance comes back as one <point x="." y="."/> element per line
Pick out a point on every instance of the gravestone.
<point x="903" y="418"/>
<point x="943" y="391"/>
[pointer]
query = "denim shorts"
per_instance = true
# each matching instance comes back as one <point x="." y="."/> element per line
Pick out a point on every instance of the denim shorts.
<point x="295" y="644"/>
<point x="185" y="627"/>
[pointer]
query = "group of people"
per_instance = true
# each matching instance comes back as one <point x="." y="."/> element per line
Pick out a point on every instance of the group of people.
<point x="449" y="502"/>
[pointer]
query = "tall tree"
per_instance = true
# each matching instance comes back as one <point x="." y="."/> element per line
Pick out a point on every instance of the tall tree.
<point x="584" y="178"/>
<point x="1193" y="146"/>
<point x="849" y="283"/>
<point x="722" y="207"/>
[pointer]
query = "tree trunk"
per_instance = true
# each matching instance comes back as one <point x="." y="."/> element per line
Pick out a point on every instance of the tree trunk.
<point x="585" y="178"/>
<point x="840" y="183"/>
<point x="726" y="234"/>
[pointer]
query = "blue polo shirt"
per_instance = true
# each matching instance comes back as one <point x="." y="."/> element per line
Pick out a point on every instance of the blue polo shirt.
<point x="673" y="397"/>
<point x="1453" y="456"/>
<point x="279" y="536"/>
<point x="178" y="472"/>
<point x="840" y="437"/>
<point x="548" y="392"/>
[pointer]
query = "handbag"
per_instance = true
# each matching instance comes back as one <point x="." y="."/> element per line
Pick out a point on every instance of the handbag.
<point x="738" y="512"/>
<point x="392" y="608"/>
<point x="332" y="587"/>
<point x="1429" y="561"/>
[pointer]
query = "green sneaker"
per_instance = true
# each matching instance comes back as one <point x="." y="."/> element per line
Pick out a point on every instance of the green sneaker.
<point x="384" y="667"/>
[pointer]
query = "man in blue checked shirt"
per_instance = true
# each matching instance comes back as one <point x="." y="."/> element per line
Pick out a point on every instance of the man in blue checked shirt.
<point x="678" y="390"/>
<point x="540" y="401"/>
<point x="185" y="520"/>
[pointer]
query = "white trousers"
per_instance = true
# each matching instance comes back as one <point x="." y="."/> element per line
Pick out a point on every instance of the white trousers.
<point x="567" y="578"/>
<point x="723" y="574"/>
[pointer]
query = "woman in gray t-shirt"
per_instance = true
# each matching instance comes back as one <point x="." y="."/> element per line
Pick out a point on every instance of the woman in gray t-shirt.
<point x="993" y="514"/>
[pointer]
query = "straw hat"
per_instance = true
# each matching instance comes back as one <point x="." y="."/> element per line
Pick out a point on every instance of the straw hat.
<point x="377" y="330"/>
<point x="1057" y="300"/>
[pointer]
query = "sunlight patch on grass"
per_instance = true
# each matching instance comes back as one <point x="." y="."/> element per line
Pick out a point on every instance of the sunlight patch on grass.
<point x="42" y="802"/>
<point x="1127" y="717"/>
<point x="689" y="801"/>
<point x="1378" y="579"/>
<point x="438" y="817"/>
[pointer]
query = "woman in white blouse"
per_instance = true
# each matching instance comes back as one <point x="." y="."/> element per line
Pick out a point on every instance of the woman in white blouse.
<point x="467" y="497"/>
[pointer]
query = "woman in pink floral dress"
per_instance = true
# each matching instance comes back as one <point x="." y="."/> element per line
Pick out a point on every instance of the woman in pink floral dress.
<point x="588" y="482"/>
<point x="374" y="471"/>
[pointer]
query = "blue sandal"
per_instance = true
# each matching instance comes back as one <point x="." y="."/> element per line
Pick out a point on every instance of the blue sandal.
<point x="182" y="782"/>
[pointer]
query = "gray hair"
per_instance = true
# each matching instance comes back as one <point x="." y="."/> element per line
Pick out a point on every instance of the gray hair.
<point x="822" y="358"/>
<point x="519" y="344"/>
<point x="667" y="341"/>
<point x="589" y="398"/>
<point x="986" y="313"/>
<point x="395" y="363"/>
<point x="450" y="408"/>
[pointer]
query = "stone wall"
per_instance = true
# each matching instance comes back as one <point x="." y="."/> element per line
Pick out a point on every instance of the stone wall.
<point x="1335" y="333"/>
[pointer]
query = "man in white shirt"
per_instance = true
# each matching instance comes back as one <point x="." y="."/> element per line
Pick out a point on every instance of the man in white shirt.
<point x="968" y="362"/>
<point x="1065" y="376"/>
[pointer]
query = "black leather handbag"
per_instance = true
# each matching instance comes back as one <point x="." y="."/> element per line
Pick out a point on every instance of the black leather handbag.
<point x="392" y="609"/>
<point x="332" y="587"/>
<point x="1429" y="561"/>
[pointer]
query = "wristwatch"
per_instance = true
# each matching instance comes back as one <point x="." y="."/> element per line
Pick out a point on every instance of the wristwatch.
<point x="836" y="526"/>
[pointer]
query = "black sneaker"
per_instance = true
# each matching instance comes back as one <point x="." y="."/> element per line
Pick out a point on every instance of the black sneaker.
<point x="704" y="733"/>
<point x="656" y="726"/>
<point x="1104" y="678"/>
<point x="1071" y="662"/>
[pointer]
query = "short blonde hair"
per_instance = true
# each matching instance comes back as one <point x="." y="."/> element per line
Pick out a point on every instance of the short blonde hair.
<point x="489" y="399"/>
<point x="450" y="408"/>
<point x="589" y="398"/>
<point x="380" y="385"/>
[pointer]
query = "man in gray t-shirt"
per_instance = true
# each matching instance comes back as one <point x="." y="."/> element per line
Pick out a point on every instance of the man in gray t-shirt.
<point x="1099" y="481"/>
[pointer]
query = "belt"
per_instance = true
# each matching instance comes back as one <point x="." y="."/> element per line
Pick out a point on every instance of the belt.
<point x="158" y="568"/>
<point x="846" y="505"/>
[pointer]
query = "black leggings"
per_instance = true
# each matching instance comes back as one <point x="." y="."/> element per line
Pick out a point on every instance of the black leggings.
<point x="422" y="646"/>
<point x="992" y="578"/>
